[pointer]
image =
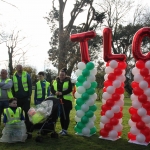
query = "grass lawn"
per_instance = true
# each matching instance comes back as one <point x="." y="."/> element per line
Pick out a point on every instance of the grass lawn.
<point x="75" y="142"/>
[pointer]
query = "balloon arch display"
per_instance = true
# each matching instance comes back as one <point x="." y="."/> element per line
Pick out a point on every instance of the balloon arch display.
<point x="113" y="92"/>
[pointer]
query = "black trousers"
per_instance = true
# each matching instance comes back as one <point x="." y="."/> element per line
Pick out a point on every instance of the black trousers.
<point x="64" y="120"/>
<point x="24" y="103"/>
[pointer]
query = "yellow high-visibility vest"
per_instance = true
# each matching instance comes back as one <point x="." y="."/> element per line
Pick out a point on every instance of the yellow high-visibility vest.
<point x="24" y="81"/>
<point x="39" y="89"/>
<point x="9" y="93"/>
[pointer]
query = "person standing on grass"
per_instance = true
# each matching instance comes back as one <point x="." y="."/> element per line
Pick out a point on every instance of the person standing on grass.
<point x="22" y="90"/>
<point x="62" y="88"/>
<point x="42" y="89"/>
<point x="5" y="91"/>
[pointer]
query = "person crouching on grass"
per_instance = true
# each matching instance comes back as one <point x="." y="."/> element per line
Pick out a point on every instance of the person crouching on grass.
<point x="14" y="126"/>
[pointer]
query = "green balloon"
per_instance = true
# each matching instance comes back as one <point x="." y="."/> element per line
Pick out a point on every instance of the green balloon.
<point x="89" y="113"/>
<point x="93" y="108"/>
<point x="93" y="130"/>
<point x="81" y="79"/>
<point x="85" y="96"/>
<point x="94" y="84"/>
<point x="84" y="119"/>
<point x="85" y="72"/>
<point x="77" y="107"/>
<point x="78" y="84"/>
<point x="90" y="65"/>
<point x="90" y="91"/>
<point x="80" y="125"/>
<point x="77" y="129"/>
<point x="79" y="101"/>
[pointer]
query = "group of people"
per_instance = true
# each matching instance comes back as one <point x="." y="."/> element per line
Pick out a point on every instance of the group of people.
<point x="15" y="96"/>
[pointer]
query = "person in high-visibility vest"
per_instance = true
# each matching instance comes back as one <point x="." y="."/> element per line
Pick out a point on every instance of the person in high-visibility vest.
<point x="62" y="88"/>
<point x="14" y="127"/>
<point x="5" y="91"/>
<point x="42" y="89"/>
<point x="22" y="90"/>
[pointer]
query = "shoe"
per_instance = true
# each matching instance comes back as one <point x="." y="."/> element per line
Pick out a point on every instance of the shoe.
<point x="61" y="132"/>
<point x="29" y="136"/>
<point x="64" y="133"/>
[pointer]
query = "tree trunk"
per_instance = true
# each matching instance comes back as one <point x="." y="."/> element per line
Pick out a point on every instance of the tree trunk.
<point x="10" y="64"/>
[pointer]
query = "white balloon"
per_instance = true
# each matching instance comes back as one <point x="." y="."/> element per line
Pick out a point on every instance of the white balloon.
<point x="134" y="130"/>
<point x="122" y="96"/>
<point x="143" y="85"/>
<point x="81" y="65"/>
<point x="77" y="95"/>
<point x="118" y="127"/>
<point x="147" y="64"/>
<point x="123" y="72"/>
<point x="77" y="119"/>
<point x="90" y="124"/>
<point x="92" y="118"/>
<point x="120" y="120"/>
<point x="85" y="107"/>
<point x="131" y="123"/>
<point x="136" y="104"/>
<point x="103" y="101"/>
<point x="122" y="78"/>
<point x="86" y="84"/>
<point x="110" y="89"/>
<point x="146" y="119"/>
<point x="141" y="111"/>
<point x="106" y="95"/>
<point x="109" y="70"/>
<point x="93" y="71"/>
<point x="81" y="89"/>
<point x="148" y="125"/>
<point x="138" y="78"/>
<point x="104" y="119"/>
<point x="147" y="92"/>
<point x="116" y="83"/>
<point x="148" y="98"/>
<point x="85" y="131"/>
<point x="78" y="72"/>
<point x="91" y="78"/>
<point x="101" y="125"/>
<point x="94" y="96"/>
<point x="109" y="114"/>
<point x="135" y="71"/>
<point x="133" y="97"/>
<point x="113" y="134"/>
<point x="115" y="108"/>
<point x="140" y="138"/>
<point x="119" y="103"/>
<point x="106" y="77"/>
<point x="90" y="102"/>
<point x="80" y="113"/>
<point x="113" y="64"/>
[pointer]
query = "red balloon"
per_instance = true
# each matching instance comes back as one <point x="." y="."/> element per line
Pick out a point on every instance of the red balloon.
<point x="119" y="133"/>
<point x="117" y="71"/>
<point x="146" y="131"/>
<point x="118" y="115"/>
<point x="132" y="110"/>
<point x="122" y="84"/>
<point x="114" y="121"/>
<point x="110" y="102"/>
<point x="136" y="44"/>
<point x="108" y="127"/>
<point x="140" y="64"/>
<point x="146" y="105"/>
<point x="142" y="98"/>
<point x="105" y="107"/>
<point x="107" y="39"/>
<point x="119" y="90"/>
<point x="147" y="78"/>
<point x="103" y="133"/>
<point x="138" y="91"/>
<point x="135" y="118"/>
<point x="122" y="65"/>
<point x="144" y="72"/>
<point x="147" y="139"/>
<point x="107" y="83"/>
<point x="111" y="77"/>
<point x="107" y="63"/>
<point x="140" y="125"/>
<point x="148" y="113"/>
<point x="131" y="136"/>
<point x="83" y="39"/>
<point x="121" y="108"/>
<point x="134" y="84"/>
<point x="104" y="89"/>
<point x="115" y="97"/>
<point x="102" y="113"/>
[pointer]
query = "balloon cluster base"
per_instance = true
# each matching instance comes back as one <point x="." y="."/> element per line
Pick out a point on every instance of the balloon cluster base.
<point x="84" y="135"/>
<point x="107" y="138"/>
<point x="135" y="142"/>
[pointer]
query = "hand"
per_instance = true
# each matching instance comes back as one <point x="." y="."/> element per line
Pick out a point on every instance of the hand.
<point x="57" y="93"/>
<point x="60" y="93"/>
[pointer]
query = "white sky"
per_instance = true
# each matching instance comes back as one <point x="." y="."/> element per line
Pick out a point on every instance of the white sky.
<point x="29" y="19"/>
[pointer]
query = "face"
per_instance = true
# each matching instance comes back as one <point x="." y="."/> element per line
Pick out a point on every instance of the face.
<point x="62" y="76"/>
<point x="19" y="69"/>
<point x="3" y="74"/>
<point x="13" y="104"/>
<point x="41" y="77"/>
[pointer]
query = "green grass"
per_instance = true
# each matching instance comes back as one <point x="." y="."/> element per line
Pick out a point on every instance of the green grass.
<point x="76" y="142"/>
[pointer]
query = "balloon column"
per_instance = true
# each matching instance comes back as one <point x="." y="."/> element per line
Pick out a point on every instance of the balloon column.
<point x="140" y="109"/>
<point x="113" y="91"/>
<point x="86" y="84"/>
